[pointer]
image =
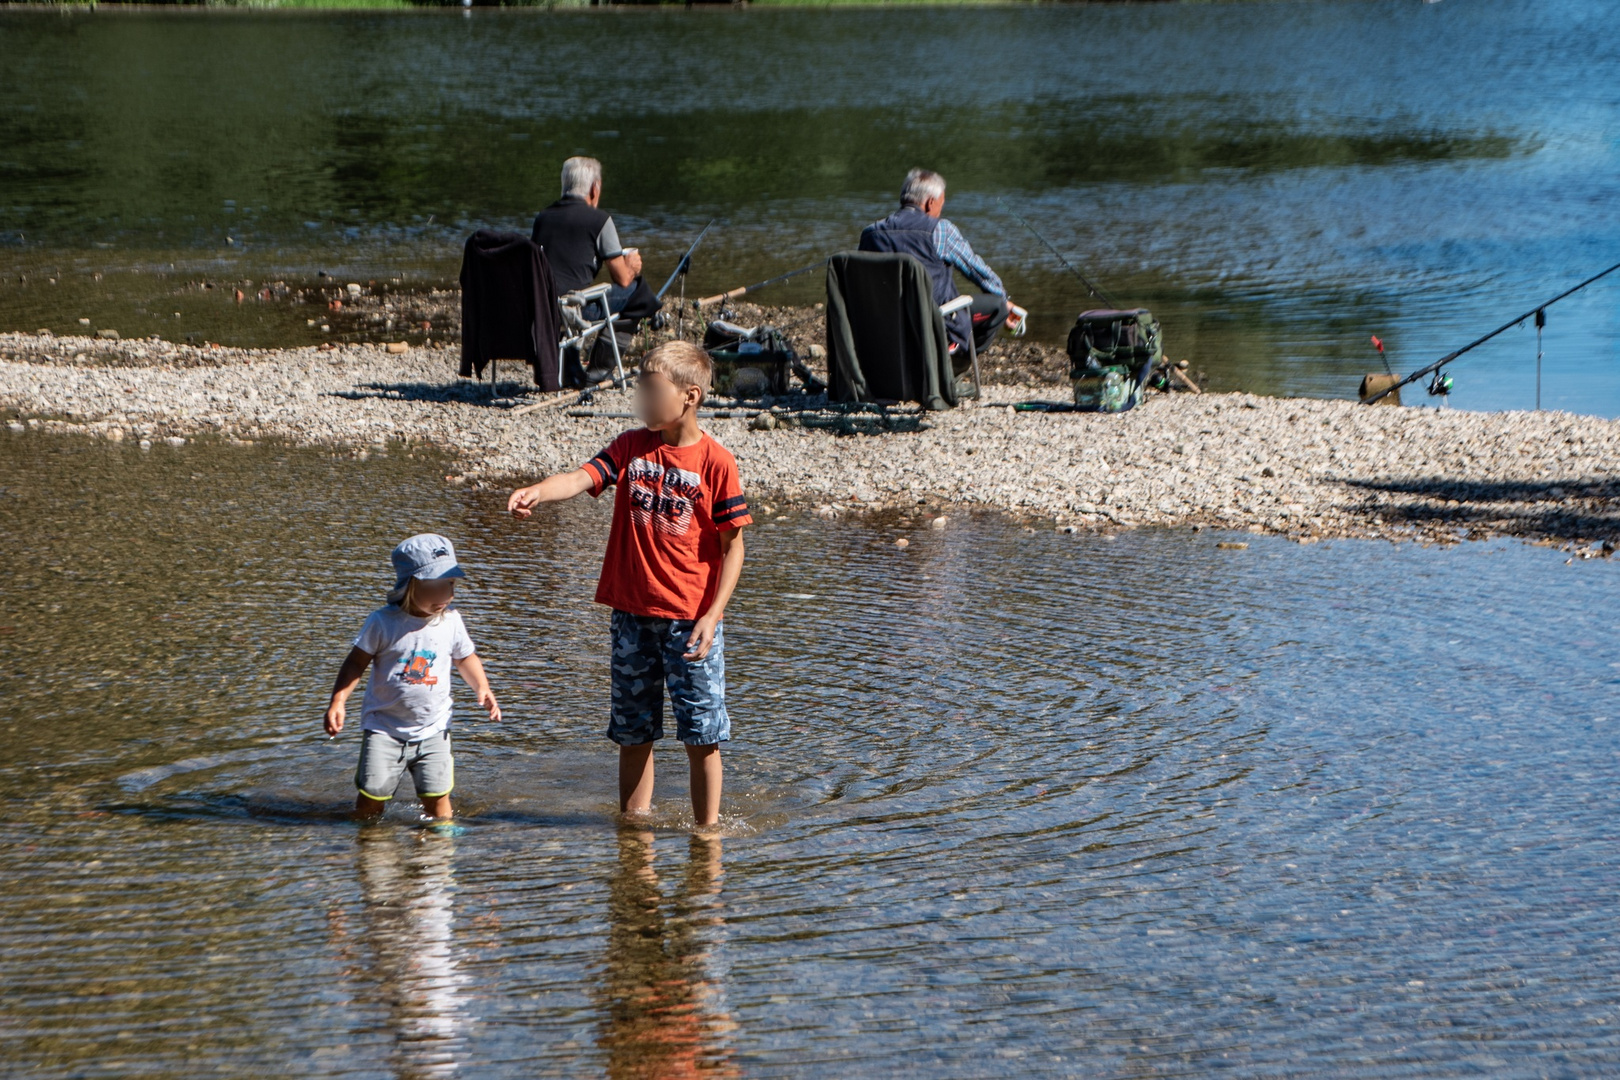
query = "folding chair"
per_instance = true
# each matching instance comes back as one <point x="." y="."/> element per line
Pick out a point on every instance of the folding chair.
<point x="886" y="338"/>
<point x="946" y="310"/>
<point x="579" y="326"/>
<point x="508" y="307"/>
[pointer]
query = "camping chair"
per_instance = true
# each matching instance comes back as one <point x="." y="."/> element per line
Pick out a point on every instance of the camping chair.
<point x="508" y="307"/>
<point x="886" y="338"/>
<point x="579" y="325"/>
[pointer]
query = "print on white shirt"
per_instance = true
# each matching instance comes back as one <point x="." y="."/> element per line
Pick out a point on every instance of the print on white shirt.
<point x="663" y="496"/>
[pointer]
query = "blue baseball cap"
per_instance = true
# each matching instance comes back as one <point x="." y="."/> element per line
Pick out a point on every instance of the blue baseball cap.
<point x="425" y="556"/>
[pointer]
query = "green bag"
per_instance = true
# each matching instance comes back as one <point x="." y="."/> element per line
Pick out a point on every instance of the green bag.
<point x="1111" y="355"/>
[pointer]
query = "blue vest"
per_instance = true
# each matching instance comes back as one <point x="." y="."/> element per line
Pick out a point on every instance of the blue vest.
<point x="909" y="231"/>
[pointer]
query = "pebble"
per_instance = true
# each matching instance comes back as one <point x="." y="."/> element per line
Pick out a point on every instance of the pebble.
<point x="902" y="543"/>
<point x="1336" y="468"/>
<point x="939" y="522"/>
<point x="175" y="440"/>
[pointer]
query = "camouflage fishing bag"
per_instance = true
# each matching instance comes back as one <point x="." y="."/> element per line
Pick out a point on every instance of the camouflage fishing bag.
<point x="1111" y="355"/>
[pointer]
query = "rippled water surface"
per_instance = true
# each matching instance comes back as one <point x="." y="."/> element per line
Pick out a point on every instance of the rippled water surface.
<point x="999" y="803"/>
<point x="1278" y="181"/>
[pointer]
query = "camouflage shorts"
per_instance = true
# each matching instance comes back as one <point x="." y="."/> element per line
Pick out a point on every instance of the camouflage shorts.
<point x="648" y="656"/>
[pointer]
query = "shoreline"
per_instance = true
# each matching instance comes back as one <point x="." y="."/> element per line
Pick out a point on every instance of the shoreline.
<point x="1308" y="469"/>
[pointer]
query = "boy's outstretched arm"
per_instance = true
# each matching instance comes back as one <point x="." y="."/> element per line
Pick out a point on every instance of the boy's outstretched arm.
<point x="472" y="673"/>
<point x="552" y="489"/>
<point x="354" y="666"/>
<point x="731" y="550"/>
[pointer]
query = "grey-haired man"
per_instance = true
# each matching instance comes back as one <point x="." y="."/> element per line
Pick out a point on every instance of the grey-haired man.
<point x="918" y="229"/>
<point x="579" y="239"/>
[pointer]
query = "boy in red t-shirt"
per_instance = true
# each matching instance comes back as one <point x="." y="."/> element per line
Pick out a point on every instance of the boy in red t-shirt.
<point x="673" y="558"/>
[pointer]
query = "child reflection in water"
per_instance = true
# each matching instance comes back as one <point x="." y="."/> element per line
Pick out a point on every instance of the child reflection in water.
<point x="407" y="885"/>
<point x="664" y="1011"/>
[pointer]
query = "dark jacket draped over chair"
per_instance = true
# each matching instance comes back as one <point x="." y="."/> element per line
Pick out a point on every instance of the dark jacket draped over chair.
<point x="886" y="339"/>
<point x="509" y="307"/>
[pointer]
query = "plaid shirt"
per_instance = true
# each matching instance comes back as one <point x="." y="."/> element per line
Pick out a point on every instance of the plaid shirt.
<point x="954" y="250"/>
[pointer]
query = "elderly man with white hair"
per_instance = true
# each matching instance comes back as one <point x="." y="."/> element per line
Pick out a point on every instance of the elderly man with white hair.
<point x="580" y="239"/>
<point x="918" y="229"/>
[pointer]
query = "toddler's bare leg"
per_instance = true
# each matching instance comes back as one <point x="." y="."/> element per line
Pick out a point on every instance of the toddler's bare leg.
<point x="635" y="778"/>
<point x="366" y="807"/>
<point x="706" y="778"/>
<point x="437" y="806"/>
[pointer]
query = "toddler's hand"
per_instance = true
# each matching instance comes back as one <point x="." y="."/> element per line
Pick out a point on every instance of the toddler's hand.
<point x="520" y="502"/>
<point x="334" y="717"/>
<point x="487" y="700"/>
<point x="702" y="639"/>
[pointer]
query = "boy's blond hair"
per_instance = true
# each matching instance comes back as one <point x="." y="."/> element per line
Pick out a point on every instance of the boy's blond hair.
<point x="682" y="363"/>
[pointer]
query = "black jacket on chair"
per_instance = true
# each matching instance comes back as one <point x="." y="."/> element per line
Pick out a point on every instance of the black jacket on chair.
<point x="886" y="339"/>
<point x="509" y="307"/>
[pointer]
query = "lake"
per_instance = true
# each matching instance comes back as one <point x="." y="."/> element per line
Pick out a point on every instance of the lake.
<point x="1002" y="802"/>
<point x="1277" y="181"/>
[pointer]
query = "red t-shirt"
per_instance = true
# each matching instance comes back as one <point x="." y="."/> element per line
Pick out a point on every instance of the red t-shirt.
<point x="663" y="555"/>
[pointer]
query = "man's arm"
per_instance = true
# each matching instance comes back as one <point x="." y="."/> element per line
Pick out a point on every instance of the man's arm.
<point x="954" y="250"/>
<point x="622" y="266"/>
<point x="555" y="488"/>
<point x="625" y="269"/>
<point x="702" y="639"/>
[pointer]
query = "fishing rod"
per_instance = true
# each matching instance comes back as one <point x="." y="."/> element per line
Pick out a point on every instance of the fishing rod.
<point x="686" y="260"/>
<point x="1094" y="290"/>
<point x="1510" y="324"/>
<point x="734" y="293"/>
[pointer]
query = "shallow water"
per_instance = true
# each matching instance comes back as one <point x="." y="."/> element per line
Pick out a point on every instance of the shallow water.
<point x="998" y="803"/>
<point x="1278" y="181"/>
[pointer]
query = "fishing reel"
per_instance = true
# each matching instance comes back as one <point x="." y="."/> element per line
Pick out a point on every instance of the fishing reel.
<point x="1440" y="385"/>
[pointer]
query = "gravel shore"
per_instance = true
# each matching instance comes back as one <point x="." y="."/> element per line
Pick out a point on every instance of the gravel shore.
<point x="1307" y="469"/>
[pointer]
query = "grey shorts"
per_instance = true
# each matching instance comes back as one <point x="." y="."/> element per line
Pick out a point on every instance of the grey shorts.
<point x="648" y="658"/>
<point x="384" y="759"/>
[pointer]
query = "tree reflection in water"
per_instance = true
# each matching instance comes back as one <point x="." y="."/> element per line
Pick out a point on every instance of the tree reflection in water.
<point x="664" y="1006"/>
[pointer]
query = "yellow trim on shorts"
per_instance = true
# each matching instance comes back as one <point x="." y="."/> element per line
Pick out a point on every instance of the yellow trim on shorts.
<point x="369" y="795"/>
<point x="446" y="791"/>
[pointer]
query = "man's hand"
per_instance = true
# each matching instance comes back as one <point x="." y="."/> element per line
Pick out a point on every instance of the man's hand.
<point x="702" y="639"/>
<point x="521" y="503"/>
<point x="486" y="698"/>
<point x="632" y="259"/>
<point x="335" y="713"/>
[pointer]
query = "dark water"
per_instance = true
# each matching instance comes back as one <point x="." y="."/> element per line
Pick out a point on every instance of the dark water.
<point x="1277" y="180"/>
<point x="999" y="804"/>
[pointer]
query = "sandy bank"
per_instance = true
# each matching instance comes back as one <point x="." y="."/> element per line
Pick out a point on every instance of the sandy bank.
<point x="1308" y="469"/>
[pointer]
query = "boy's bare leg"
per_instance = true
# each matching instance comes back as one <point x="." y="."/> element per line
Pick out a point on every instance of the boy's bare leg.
<point x="437" y="806"/>
<point x="706" y="777"/>
<point x="366" y="807"/>
<point x="635" y="779"/>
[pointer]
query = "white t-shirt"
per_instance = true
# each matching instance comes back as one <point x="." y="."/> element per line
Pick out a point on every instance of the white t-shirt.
<point x="408" y="696"/>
